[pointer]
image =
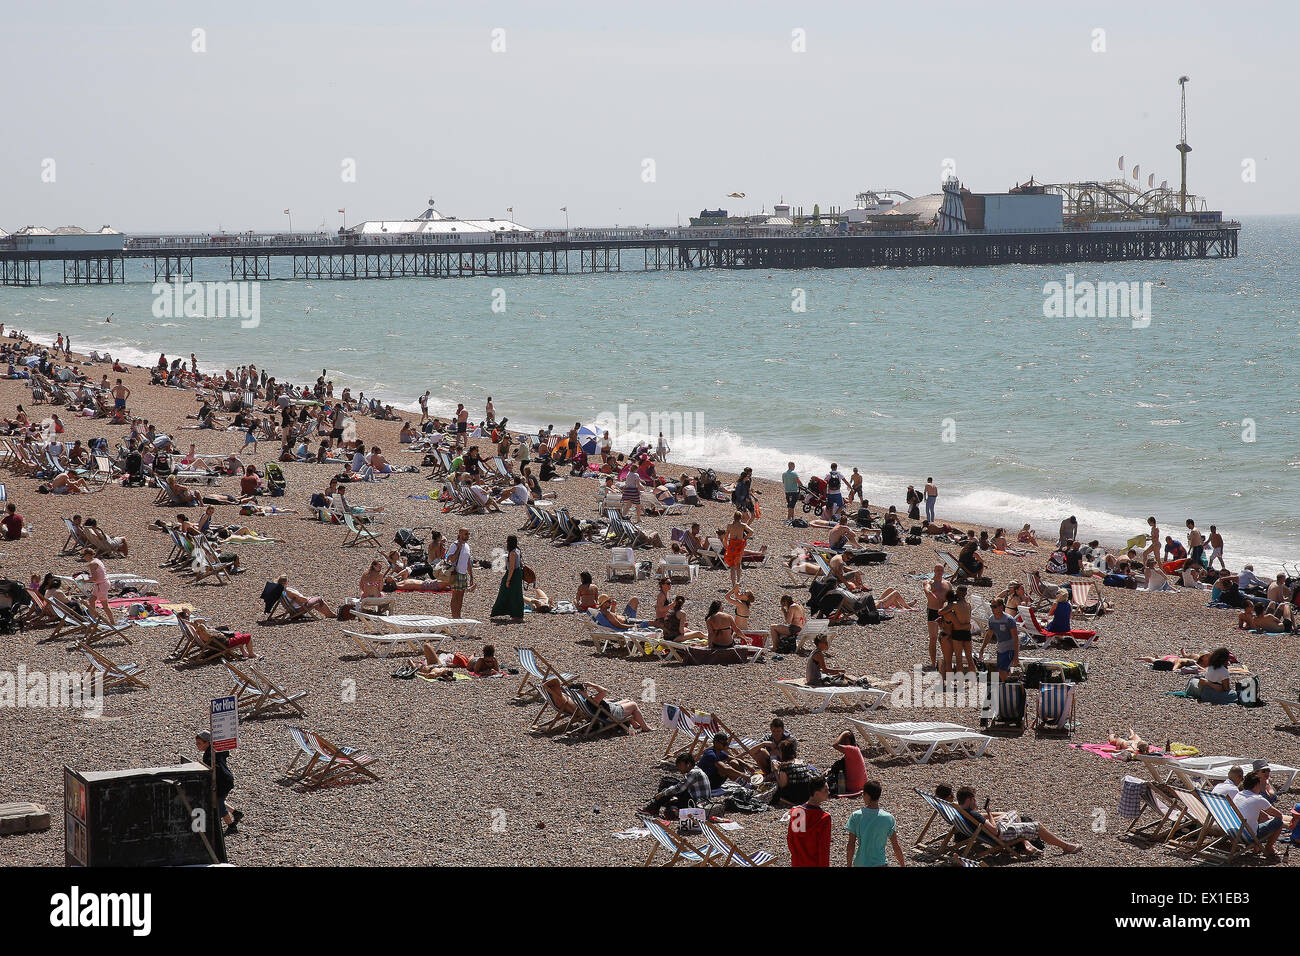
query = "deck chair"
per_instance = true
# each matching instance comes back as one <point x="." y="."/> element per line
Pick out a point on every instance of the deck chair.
<point x="1189" y="829"/>
<point x="358" y="533"/>
<point x="328" y="764"/>
<point x="75" y="540"/>
<point x="194" y="648"/>
<point x="727" y="853"/>
<point x="278" y="605"/>
<point x="1084" y="595"/>
<point x="665" y="839"/>
<point x="1074" y="637"/>
<point x="940" y="810"/>
<point x="537" y="669"/>
<point x="1159" y="801"/>
<point x="813" y="627"/>
<point x="1292" y="710"/>
<point x="1010" y="708"/>
<point x="621" y="561"/>
<point x="82" y="626"/>
<point x="1057" y="708"/>
<point x="973" y="841"/>
<point x="257" y="695"/>
<point x="207" y="565"/>
<point x="1232" y="830"/>
<point x="1037" y="591"/>
<point x="588" y="720"/>
<point x="701" y="728"/>
<point x="114" y="676"/>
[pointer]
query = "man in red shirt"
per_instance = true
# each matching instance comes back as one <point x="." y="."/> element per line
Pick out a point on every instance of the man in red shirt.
<point x="12" y="523"/>
<point x="809" y="835"/>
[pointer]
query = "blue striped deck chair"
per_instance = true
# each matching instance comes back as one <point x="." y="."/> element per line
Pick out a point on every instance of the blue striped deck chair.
<point x="972" y="840"/>
<point x="4" y="493"/>
<point x="665" y="839"/>
<point x="967" y="861"/>
<point x="1056" y="708"/>
<point x="536" y="669"/>
<point x="727" y="852"/>
<point x="940" y="809"/>
<point x="1224" y="826"/>
<point x="1010" y="708"/>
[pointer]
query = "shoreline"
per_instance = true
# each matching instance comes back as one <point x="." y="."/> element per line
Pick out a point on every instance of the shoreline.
<point x="1268" y="556"/>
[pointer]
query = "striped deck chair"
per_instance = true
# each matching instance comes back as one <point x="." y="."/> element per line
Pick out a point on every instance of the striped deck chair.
<point x="1190" y="823"/>
<point x="726" y="853"/>
<point x="1224" y="826"/>
<point x="1057" y="708"/>
<point x="537" y="669"/>
<point x="257" y="695"/>
<point x="966" y="861"/>
<point x="588" y="719"/>
<point x="1037" y="590"/>
<point x="940" y="810"/>
<point x="1010" y="708"/>
<point x="972" y="840"/>
<point x="681" y="850"/>
<point x="114" y="676"/>
<point x="327" y="763"/>
<point x="1084" y="595"/>
<point x="702" y="727"/>
<point x="83" y="626"/>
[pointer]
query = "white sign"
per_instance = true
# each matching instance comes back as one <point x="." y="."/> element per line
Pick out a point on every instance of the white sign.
<point x="225" y="724"/>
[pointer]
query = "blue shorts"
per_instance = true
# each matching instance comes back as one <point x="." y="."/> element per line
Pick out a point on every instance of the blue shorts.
<point x="461" y="427"/>
<point x="835" y="500"/>
<point x="1004" y="659"/>
<point x="1268" y="827"/>
<point x="119" y="403"/>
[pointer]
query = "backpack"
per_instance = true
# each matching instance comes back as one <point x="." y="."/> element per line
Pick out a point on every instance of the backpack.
<point x="798" y="523"/>
<point x="833" y="483"/>
<point x="912" y="539"/>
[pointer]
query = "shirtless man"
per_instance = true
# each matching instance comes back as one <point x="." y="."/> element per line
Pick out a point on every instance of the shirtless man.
<point x="936" y="594"/>
<point x="1195" y="543"/>
<point x="842" y="536"/>
<point x="1216" y="548"/>
<point x="120" y="394"/>
<point x="931" y="493"/>
<point x="855" y="486"/>
<point x="733" y="541"/>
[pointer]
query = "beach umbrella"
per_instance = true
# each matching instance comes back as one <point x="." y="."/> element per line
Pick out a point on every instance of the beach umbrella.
<point x="589" y="446"/>
<point x="586" y="431"/>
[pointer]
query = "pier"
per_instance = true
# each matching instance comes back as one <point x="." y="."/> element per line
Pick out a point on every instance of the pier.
<point x="348" y="256"/>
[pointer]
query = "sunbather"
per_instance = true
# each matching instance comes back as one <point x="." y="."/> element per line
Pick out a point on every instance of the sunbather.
<point x="301" y="603"/>
<point x="795" y="618"/>
<point x="1132" y="743"/>
<point x="817" y="673"/>
<point x="222" y="638"/>
<point x="1009" y="828"/>
<point x="1273" y="619"/>
<point x="624" y="709"/>
<point x="102" y="542"/>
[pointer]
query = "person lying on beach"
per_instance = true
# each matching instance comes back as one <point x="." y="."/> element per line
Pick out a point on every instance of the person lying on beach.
<point x="222" y="637"/>
<point x="624" y="709"/>
<point x="1008" y="827"/>
<point x="1274" y="619"/>
<point x="539" y="601"/>
<point x="1174" y="662"/>
<point x="66" y="483"/>
<point x="101" y="542"/>
<point x="1132" y="743"/>
<point x="485" y="663"/>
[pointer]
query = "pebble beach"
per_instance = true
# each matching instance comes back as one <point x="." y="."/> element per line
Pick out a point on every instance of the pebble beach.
<point x="464" y="780"/>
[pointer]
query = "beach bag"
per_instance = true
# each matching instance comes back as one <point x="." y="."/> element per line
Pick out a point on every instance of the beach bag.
<point x="787" y="643"/>
<point x="866" y="557"/>
<point x="443" y="572"/>
<point x="863" y="517"/>
<point x="912" y="539"/>
<point x="865" y="609"/>
<point x="798" y="523"/>
<point x="1248" y="694"/>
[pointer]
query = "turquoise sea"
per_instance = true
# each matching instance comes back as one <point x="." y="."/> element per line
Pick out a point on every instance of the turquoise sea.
<point x="1047" y="416"/>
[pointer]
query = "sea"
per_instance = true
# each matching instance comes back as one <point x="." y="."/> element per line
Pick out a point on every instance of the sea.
<point x="1021" y="411"/>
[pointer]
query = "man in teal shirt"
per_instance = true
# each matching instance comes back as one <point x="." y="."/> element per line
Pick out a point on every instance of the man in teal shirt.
<point x="869" y="829"/>
<point x="790" y="482"/>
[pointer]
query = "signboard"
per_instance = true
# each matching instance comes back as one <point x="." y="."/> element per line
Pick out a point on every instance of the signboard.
<point x="225" y="724"/>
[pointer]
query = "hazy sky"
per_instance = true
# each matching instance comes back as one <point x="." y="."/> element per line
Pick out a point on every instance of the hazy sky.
<point x="147" y="134"/>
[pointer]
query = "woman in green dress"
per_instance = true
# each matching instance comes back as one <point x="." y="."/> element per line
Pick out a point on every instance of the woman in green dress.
<point x="510" y="596"/>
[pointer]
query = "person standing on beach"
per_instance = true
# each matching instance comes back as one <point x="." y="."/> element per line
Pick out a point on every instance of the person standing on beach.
<point x="225" y="780"/>
<point x="855" y="487"/>
<point x="870" y="829"/>
<point x="120" y="394"/>
<point x="913" y="503"/>
<point x="1195" y="543"/>
<point x="462" y="561"/>
<point x="931" y="493"/>
<point x="491" y="413"/>
<point x="510" y="596"/>
<point x="792" y="485"/>
<point x="1153" y="548"/>
<point x="809" y="833"/>
<point x="99" y="585"/>
<point x="936" y="596"/>
<point x="424" y="407"/>
<point x="835" y="482"/>
<point x="1216" y="548"/>
<point x="462" y="425"/>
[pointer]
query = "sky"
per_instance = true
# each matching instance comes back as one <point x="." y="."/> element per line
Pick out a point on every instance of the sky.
<point x="625" y="113"/>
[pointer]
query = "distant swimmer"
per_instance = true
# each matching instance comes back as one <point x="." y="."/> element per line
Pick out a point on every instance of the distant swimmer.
<point x="110" y="317"/>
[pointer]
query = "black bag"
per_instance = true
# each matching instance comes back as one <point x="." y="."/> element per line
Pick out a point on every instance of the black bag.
<point x="913" y="539"/>
<point x="798" y="523"/>
<point x="865" y="557"/>
<point x="865" y="608"/>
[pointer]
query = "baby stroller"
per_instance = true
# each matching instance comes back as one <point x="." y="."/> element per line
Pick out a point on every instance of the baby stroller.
<point x="275" y="480"/>
<point x="814" y="495"/>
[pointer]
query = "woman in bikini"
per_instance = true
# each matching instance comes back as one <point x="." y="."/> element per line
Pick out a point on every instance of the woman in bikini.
<point x="624" y="709"/>
<point x="795" y="618"/>
<point x="663" y="601"/>
<point x="742" y="601"/>
<point x="957" y="615"/>
<point x="721" y="626"/>
<point x="676" y="627"/>
<point x="588" y="595"/>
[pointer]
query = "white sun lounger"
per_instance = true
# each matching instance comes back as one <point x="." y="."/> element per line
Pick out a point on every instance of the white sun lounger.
<point x="410" y="642"/>
<point x="872" y="732"/>
<point x="867" y="697"/>
<point x="963" y="742"/>
<point x="424" y="623"/>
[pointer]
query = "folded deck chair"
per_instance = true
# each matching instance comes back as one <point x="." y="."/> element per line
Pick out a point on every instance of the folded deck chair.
<point x="681" y="851"/>
<point x="257" y="695"/>
<point x="1057" y="705"/>
<point x="727" y="853"/>
<point x="114" y="676"/>
<point x="868" y="698"/>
